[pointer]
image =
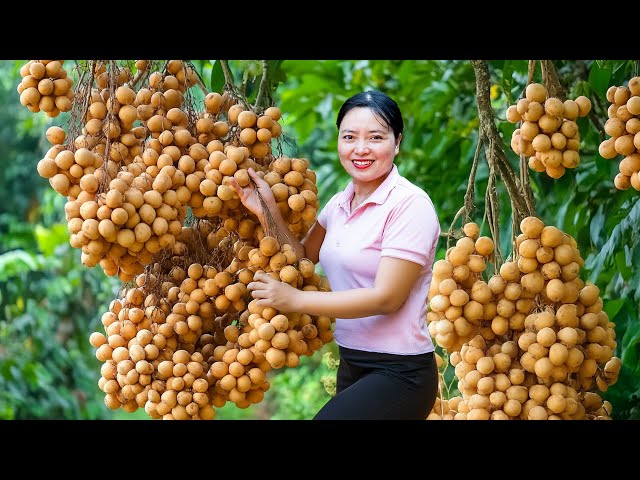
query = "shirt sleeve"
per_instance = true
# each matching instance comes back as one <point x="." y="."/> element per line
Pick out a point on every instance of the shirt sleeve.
<point x="412" y="231"/>
<point x="323" y="216"/>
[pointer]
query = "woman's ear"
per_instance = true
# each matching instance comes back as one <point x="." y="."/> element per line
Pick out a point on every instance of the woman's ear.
<point x="398" y="143"/>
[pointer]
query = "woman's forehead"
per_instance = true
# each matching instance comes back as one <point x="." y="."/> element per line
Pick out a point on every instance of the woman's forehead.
<point x="363" y="118"/>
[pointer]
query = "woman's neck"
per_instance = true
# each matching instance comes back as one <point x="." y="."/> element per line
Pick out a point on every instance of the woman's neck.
<point x="362" y="191"/>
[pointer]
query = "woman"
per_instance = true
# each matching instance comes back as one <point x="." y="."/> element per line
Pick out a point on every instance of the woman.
<point x="376" y="241"/>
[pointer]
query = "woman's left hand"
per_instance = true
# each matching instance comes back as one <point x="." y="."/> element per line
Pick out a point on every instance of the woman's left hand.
<point x="273" y="293"/>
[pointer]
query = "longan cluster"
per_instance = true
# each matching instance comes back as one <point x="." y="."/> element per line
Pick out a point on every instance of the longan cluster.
<point x="46" y="86"/>
<point x="187" y="339"/>
<point x="548" y="134"/>
<point x="548" y="344"/>
<point x="293" y="185"/>
<point x="142" y="158"/>
<point x="623" y="126"/>
<point x="253" y="131"/>
<point x="459" y="298"/>
<point x="162" y="159"/>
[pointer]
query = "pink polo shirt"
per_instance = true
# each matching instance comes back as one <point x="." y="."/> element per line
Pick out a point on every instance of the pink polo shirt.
<point x="397" y="220"/>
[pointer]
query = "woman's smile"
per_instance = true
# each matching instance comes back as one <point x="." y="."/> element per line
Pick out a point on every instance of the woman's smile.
<point x="362" y="164"/>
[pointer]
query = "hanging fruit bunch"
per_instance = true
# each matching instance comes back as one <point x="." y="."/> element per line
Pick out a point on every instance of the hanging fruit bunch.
<point x="187" y="338"/>
<point x="623" y="126"/>
<point x="548" y="133"/>
<point x="46" y="87"/>
<point x="531" y="343"/>
<point x="146" y="176"/>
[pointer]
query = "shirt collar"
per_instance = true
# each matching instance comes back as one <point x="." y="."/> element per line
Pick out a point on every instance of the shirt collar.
<point x="380" y="194"/>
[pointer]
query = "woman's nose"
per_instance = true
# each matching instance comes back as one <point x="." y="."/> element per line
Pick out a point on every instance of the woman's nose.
<point x="361" y="146"/>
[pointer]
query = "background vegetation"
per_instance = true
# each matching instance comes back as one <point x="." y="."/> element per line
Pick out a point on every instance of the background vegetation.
<point x="50" y="303"/>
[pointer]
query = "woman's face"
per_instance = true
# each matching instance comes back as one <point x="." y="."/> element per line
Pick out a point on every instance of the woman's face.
<point x="366" y="145"/>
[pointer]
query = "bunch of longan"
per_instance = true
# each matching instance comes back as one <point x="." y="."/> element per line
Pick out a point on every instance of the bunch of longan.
<point x="543" y="342"/>
<point x="623" y="126"/>
<point x="46" y="86"/>
<point x="548" y="134"/>
<point x="186" y="338"/>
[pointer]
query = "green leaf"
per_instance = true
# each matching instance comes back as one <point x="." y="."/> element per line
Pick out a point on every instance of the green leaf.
<point x="596" y="227"/>
<point x="612" y="307"/>
<point x="277" y="73"/>
<point x="622" y="234"/>
<point x="49" y="238"/>
<point x="16" y="262"/>
<point x="622" y="265"/>
<point x="217" y="77"/>
<point x="506" y="82"/>
<point x="599" y="78"/>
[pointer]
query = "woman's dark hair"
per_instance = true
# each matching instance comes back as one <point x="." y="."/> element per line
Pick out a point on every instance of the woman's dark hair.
<point x="380" y="103"/>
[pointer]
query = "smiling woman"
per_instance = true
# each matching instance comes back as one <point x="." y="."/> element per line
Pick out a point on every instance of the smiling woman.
<point x="376" y="241"/>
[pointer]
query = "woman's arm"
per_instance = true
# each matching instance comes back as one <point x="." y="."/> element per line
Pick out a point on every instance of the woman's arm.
<point x="394" y="280"/>
<point x="313" y="242"/>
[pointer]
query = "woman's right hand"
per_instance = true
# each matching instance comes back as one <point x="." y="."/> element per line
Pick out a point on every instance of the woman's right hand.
<point x="249" y="194"/>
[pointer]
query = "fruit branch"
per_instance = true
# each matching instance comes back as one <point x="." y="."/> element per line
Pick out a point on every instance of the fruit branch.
<point x="138" y="76"/>
<point x="79" y="110"/>
<point x="493" y="147"/>
<point x="263" y="98"/>
<point x="492" y="215"/>
<point x="228" y="76"/>
<point x="524" y="180"/>
<point x="531" y="71"/>
<point x="230" y="86"/>
<point x="551" y="80"/>
<point x="87" y="99"/>
<point x="469" y="206"/>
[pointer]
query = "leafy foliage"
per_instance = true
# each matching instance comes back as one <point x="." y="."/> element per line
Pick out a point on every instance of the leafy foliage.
<point x="49" y="302"/>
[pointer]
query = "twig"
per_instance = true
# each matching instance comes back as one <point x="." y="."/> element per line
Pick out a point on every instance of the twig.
<point x="139" y="74"/>
<point x="552" y="81"/>
<point x="230" y="86"/>
<point x="450" y="234"/>
<point x="492" y="215"/>
<point x="201" y="84"/>
<point x="270" y="228"/>
<point x="263" y="98"/>
<point x="88" y="94"/>
<point x="228" y="76"/>
<point x="470" y="193"/>
<point x="532" y="71"/>
<point x="524" y="180"/>
<point x="494" y="152"/>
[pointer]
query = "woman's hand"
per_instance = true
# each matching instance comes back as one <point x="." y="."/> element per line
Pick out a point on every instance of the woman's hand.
<point x="273" y="293"/>
<point x="249" y="194"/>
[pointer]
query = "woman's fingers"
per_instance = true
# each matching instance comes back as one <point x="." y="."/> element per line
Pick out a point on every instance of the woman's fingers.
<point x="257" y="180"/>
<point x="253" y="174"/>
<point x="234" y="184"/>
<point x="257" y="284"/>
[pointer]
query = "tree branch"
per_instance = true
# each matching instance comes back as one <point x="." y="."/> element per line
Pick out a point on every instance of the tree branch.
<point x="139" y="74"/>
<point x="228" y="76"/>
<point x="230" y="86"/>
<point x="551" y="80"/>
<point x="470" y="193"/>
<point x="264" y="91"/>
<point x="531" y="72"/>
<point x="493" y="147"/>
